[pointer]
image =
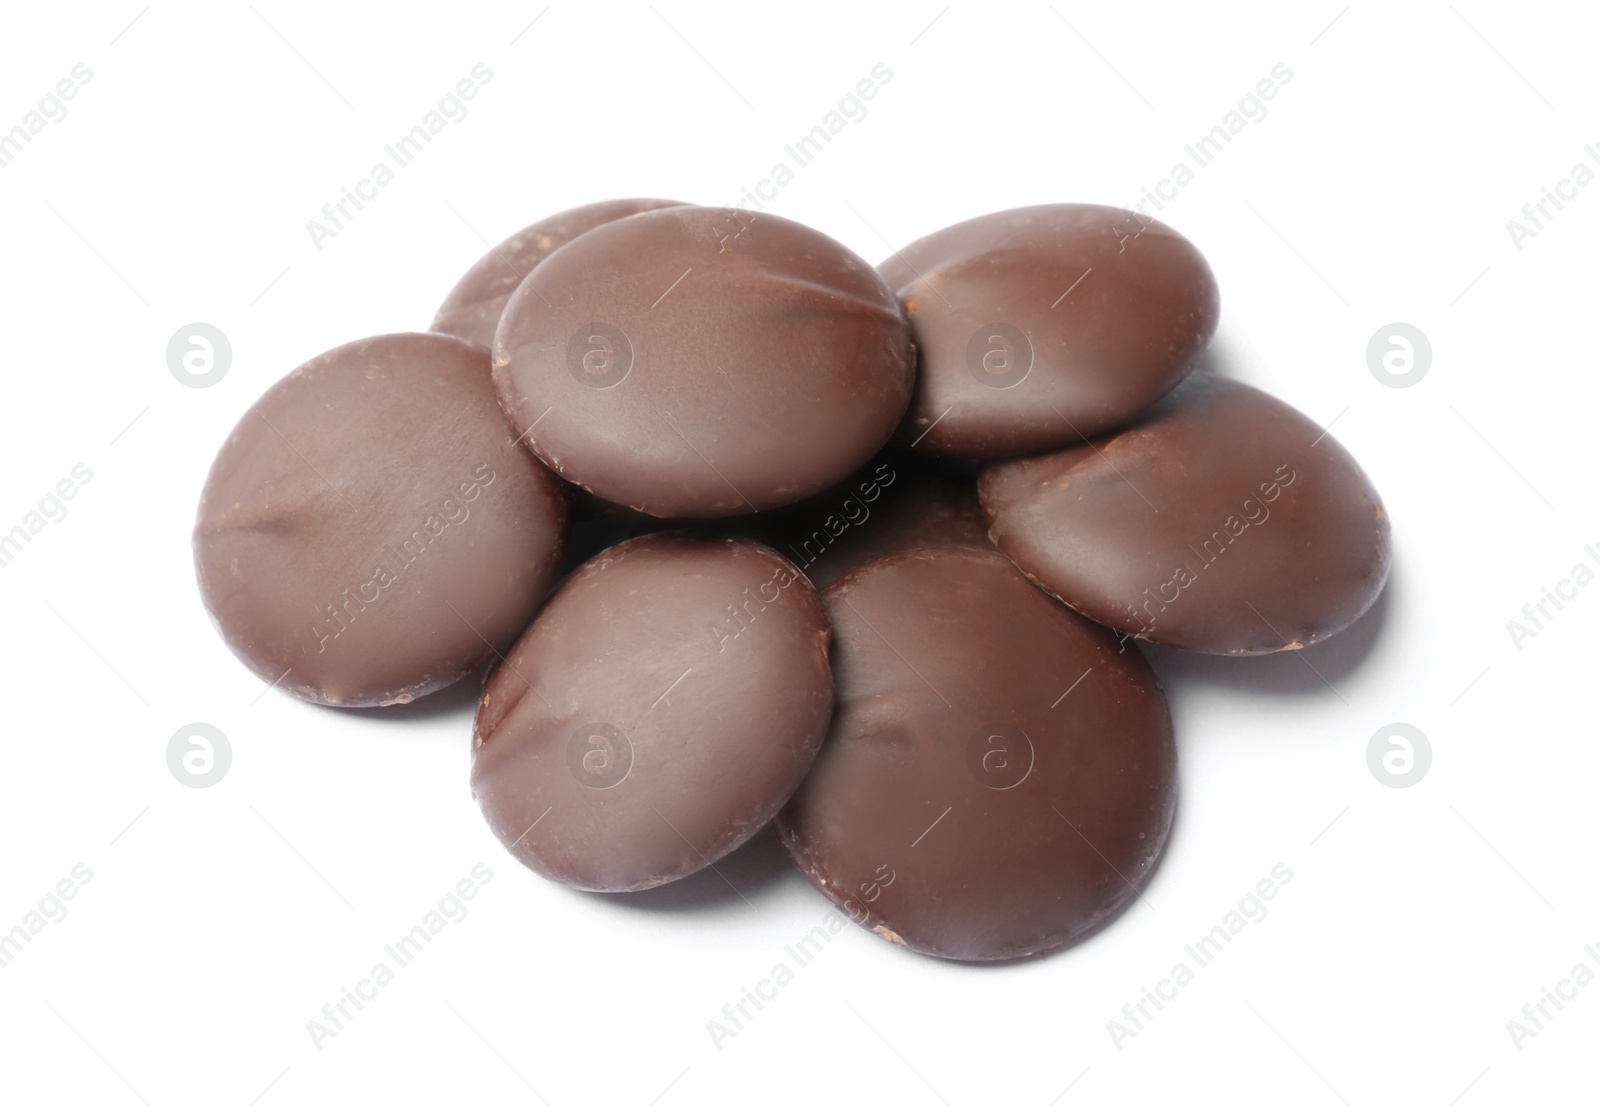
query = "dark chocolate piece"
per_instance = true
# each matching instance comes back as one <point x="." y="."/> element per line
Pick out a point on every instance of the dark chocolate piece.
<point x="1224" y="522"/>
<point x="696" y="362"/>
<point x="658" y="712"/>
<point x="999" y="778"/>
<point x="1039" y="326"/>
<point x="371" y="528"/>
<point x="472" y="309"/>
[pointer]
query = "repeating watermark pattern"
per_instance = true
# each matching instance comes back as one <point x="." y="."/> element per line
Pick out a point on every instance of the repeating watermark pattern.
<point x="1000" y="355"/>
<point x="451" y="908"/>
<point x="1536" y="615"/>
<point x="51" y="908"/>
<point x="52" y="109"/>
<point x="198" y="755"/>
<point x="1251" y="109"/>
<point x="740" y="1012"/>
<point x="199" y="354"/>
<point x="1536" y="215"/>
<point x="599" y="355"/>
<point x="451" y="109"/>
<point x="855" y="510"/>
<point x="868" y="891"/>
<point x="1399" y="755"/>
<point x="340" y="614"/>
<point x="744" y="613"/>
<point x="1139" y="1013"/>
<point x="1537" y="1014"/>
<point x="50" y="510"/>
<point x="1001" y="757"/>
<point x="1399" y="355"/>
<point x="851" y="109"/>
<point x="599" y="756"/>
<point x="1155" y="600"/>
<point x="736" y="225"/>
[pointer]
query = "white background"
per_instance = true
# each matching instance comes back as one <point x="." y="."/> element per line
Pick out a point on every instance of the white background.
<point x="220" y="921"/>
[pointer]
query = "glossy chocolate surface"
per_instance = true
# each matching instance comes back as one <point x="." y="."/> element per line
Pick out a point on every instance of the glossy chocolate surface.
<point x="1224" y="522"/>
<point x="999" y="778"/>
<point x="696" y="362"/>
<point x="1040" y="326"/>
<point x="472" y="309"/>
<point x="370" y="528"/>
<point x="660" y="710"/>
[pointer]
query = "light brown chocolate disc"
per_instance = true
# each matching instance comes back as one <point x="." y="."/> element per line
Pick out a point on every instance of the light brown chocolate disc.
<point x="1223" y="522"/>
<point x="659" y="711"/>
<point x="472" y="309"/>
<point x="371" y="531"/>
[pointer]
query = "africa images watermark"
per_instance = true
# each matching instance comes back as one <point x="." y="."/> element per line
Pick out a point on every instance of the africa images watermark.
<point x="1537" y="1014"/>
<point x="1535" y="615"/>
<point x="851" y="109"/>
<point x="340" y="614"/>
<point x="199" y="755"/>
<point x="854" y="510"/>
<point x="742" y="1010"/>
<point x="1536" y="214"/>
<point x="50" y="510"/>
<point x="1211" y="550"/>
<point x="52" y="109"/>
<point x="52" y="908"/>
<point x="1251" y="908"/>
<point x="451" y="908"/>
<point x="451" y="109"/>
<point x="1251" y="109"/>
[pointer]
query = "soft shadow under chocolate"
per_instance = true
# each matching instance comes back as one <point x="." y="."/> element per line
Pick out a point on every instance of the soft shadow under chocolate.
<point x="460" y="697"/>
<point x="1299" y="672"/>
<point x="747" y="871"/>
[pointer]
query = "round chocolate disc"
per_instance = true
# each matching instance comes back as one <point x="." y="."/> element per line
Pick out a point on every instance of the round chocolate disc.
<point x="1040" y="326"/>
<point x="472" y="309"/>
<point x="697" y="362"/>
<point x="999" y="778"/>
<point x="371" y="530"/>
<point x="1224" y="522"/>
<point x="660" y="710"/>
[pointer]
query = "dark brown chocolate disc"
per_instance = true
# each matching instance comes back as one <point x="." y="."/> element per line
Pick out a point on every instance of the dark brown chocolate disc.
<point x="658" y="712"/>
<point x="999" y="778"/>
<point x="370" y="529"/>
<point x="696" y="362"/>
<point x="1037" y="327"/>
<point x="1224" y="522"/>
<point x="472" y="309"/>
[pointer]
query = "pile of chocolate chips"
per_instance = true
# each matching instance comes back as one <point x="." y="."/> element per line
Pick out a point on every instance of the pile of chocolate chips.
<point x="864" y="552"/>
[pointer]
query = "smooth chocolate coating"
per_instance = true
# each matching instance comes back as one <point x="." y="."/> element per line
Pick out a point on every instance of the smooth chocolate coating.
<point x="999" y="778"/>
<point x="371" y="530"/>
<point x="697" y="362"/>
<point x="1039" y="326"/>
<point x="659" y="712"/>
<point x="1224" y="522"/>
<point x="472" y="309"/>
